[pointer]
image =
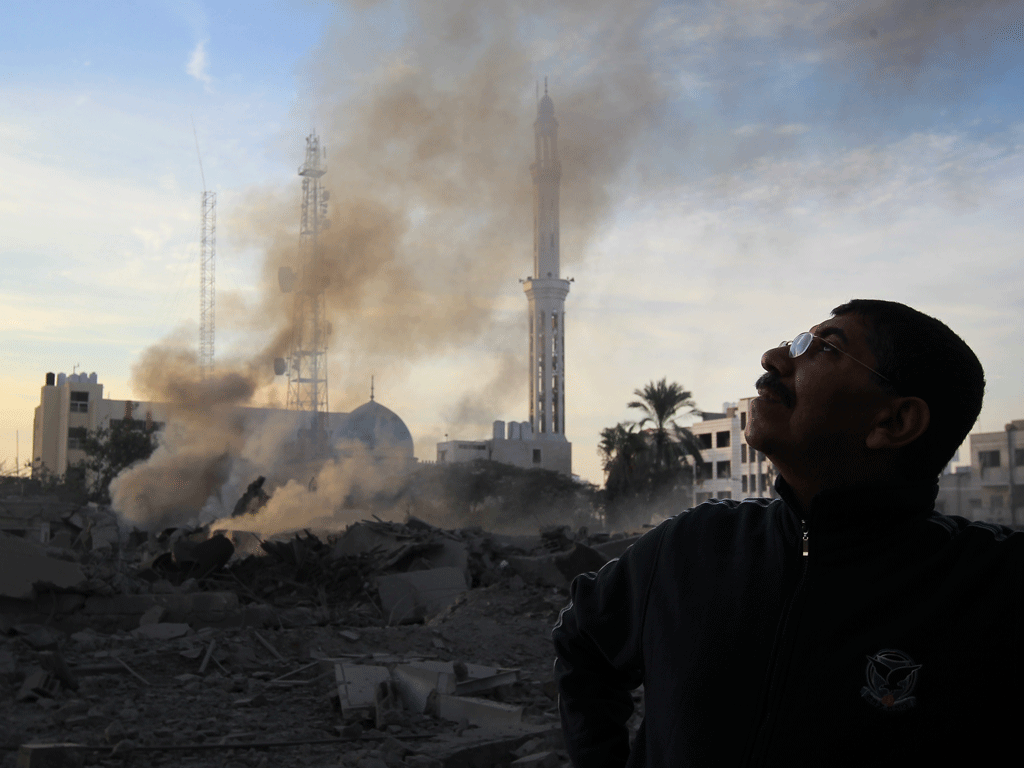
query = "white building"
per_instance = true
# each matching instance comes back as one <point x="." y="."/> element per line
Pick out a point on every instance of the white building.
<point x="72" y="405"/>
<point x="731" y="469"/>
<point x="991" y="489"/>
<point x="539" y="442"/>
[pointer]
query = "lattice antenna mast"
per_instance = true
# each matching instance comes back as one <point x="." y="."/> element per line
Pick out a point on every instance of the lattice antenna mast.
<point x="307" y="366"/>
<point x="207" y="271"/>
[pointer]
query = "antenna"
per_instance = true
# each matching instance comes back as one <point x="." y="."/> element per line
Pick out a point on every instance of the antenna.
<point x="207" y="269"/>
<point x="194" y="134"/>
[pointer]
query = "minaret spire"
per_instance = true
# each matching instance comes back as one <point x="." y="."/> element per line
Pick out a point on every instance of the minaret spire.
<point x="371" y="387"/>
<point x="546" y="290"/>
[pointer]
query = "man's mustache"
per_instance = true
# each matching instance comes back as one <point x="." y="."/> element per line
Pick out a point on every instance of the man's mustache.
<point x="770" y="382"/>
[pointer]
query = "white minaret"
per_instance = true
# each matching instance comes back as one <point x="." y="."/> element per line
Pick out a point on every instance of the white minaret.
<point x="546" y="290"/>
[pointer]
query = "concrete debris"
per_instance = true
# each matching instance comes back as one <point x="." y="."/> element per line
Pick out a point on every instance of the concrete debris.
<point x="419" y="595"/>
<point x="357" y="689"/>
<point x="25" y="567"/>
<point x="254" y="499"/>
<point x="433" y="643"/>
<point x="479" y="712"/>
<point x="50" y="756"/>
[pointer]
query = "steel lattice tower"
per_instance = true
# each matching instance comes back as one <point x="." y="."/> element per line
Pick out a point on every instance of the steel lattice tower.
<point x="207" y="285"/>
<point x="307" y="365"/>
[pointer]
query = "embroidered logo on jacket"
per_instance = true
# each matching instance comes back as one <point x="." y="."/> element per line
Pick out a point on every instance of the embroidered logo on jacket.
<point x="892" y="676"/>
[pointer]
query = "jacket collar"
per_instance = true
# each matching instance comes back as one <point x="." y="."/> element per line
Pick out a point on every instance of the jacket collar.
<point x="871" y="505"/>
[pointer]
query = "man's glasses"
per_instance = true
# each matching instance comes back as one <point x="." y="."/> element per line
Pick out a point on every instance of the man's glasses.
<point x="802" y="343"/>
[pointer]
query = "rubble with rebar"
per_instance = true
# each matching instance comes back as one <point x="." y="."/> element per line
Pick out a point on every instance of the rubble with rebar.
<point x="386" y="644"/>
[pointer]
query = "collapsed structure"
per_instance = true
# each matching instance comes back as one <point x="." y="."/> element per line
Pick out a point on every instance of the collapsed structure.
<point x="387" y="644"/>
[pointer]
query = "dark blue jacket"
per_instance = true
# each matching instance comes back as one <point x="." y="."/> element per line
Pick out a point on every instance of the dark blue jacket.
<point x="896" y="639"/>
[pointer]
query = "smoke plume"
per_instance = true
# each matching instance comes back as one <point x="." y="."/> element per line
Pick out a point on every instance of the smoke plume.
<point x="430" y="221"/>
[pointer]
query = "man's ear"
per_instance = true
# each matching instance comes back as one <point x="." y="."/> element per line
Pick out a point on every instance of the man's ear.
<point x="901" y="423"/>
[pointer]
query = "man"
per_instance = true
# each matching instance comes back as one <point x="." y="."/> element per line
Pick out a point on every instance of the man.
<point x="845" y="623"/>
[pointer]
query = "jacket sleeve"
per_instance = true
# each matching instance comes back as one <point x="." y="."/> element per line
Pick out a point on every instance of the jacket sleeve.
<point x="598" y="654"/>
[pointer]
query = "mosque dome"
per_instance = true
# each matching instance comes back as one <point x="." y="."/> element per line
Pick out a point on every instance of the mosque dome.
<point x="380" y="429"/>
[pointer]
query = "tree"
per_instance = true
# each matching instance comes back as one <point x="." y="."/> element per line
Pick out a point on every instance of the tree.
<point x="623" y="451"/>
<point x="112" y="450"/>
<point x="672" y="445"/>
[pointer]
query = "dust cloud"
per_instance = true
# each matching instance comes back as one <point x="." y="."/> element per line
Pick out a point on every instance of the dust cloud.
<point x="428" y="153"/>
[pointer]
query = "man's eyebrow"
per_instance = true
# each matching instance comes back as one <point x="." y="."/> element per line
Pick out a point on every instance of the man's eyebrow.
<point x="832" y="330"/>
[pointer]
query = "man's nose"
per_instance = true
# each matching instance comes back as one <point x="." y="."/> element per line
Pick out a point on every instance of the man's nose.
<point x="777" y="359"/>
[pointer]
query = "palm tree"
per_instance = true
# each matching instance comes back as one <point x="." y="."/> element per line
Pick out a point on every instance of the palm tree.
<point x="622" y="453"/>
<point x="661" y="402"/>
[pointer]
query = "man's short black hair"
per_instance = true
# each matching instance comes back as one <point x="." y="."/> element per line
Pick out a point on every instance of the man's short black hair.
<point x="923" y="358"/>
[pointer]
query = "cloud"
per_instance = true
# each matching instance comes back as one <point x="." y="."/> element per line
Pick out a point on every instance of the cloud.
<point x="198" y="63"/>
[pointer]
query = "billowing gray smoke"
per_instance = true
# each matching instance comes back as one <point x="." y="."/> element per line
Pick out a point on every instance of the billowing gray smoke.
<point x="430" y="213"/>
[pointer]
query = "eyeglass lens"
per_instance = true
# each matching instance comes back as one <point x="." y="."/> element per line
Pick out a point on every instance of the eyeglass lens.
<point x="800" y="344"/>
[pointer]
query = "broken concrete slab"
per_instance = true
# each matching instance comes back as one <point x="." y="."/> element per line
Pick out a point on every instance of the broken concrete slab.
<point x="540" y="570"/>
<point x="24" y="568"/>
<point x="196" y="608"/>
<point x="153" y="615"/>
<point x="388" y="708"/>
<point x="579" y="559"/>
<point x="481" y="712"/>
<point x="167" y="631"/>
<point x="357" y="689"/>
<point x="415" y="685"/>
<point x="469" y="678"/>
<point x="418" y="595"/>
<point x="63" y="755"/>
<point x="538" y="760"/>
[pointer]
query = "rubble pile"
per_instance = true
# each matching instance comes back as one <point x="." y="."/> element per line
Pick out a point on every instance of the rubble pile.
<point x="387" y="644"/>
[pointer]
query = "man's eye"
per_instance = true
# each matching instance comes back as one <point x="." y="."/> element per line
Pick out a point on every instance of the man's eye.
<point x="827" y="347"/>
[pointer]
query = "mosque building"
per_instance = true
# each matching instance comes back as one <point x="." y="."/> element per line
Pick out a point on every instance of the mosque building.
<point x="540" y="441"/>
<point x="73" y="405"/>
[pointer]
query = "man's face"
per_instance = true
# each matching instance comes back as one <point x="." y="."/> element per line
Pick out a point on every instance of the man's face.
<point x="820" y="406"/>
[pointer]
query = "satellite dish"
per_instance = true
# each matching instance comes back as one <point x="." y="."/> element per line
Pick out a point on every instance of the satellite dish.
<point x="279" y="366"/>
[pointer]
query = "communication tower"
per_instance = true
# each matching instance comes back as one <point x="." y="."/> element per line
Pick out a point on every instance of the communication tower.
<point x="307" y="363"/>
<point x="207" y="269"/>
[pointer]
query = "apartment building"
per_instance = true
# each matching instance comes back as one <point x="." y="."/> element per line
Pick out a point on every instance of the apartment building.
<point x="731" y="469"/>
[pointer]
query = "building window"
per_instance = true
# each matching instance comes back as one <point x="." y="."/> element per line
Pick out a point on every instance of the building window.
<point x="722" y="440"/>
<point x="706" y="470"/>
<point x="764" y="483"/>
<point x="76" y="438"/>
<point x="536" y="455"/>
<point x="79" y="402"/>
<point x="743" y="454"/>
<point x="988" y="459"/>
<point x="724" y="469"/>
<point x="705" y="440"/>
<point x="743" y="419"/>
<point x="1018" y="457"/>
<point x="725" y="495"/>
<point x="744" y="488"/>
<point x="441" y="456"/>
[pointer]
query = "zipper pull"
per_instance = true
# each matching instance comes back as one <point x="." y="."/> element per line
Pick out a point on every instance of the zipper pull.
<point x="803" y="526"/>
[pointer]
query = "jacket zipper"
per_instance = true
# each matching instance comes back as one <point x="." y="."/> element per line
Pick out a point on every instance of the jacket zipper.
<point x="761" y="737"/>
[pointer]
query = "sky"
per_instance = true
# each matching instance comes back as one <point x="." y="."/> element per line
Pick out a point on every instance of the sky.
<point x="732" y="171"/>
